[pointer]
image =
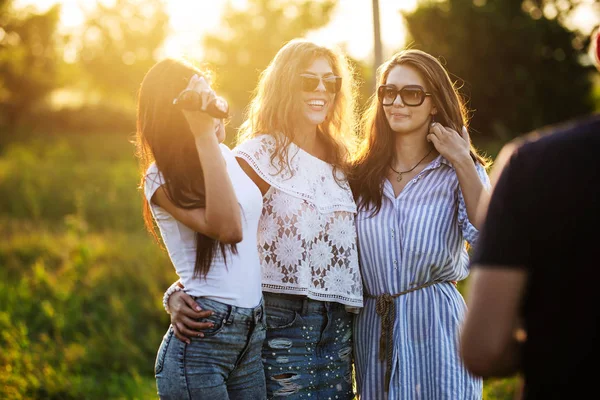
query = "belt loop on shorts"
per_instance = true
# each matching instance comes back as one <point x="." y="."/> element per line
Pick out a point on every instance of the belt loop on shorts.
<point x="258" y="313"/>
<point x="229" y="317"/>
<point x="305" y="301"/>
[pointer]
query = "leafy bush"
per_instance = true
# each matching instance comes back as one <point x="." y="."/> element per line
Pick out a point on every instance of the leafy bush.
<point x="89" y="176"/>
<point x="95" y="118"/>
<point x="81" y="282"/>
<point x="83" y="311"/>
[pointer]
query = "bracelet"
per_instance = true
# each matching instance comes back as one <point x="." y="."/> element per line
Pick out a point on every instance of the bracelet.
<point x="175" y="287"/>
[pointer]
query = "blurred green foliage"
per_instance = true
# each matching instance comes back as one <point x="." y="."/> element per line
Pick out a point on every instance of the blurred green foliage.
<point x="101" y="63"/>
<point x="518" y="69"/>
<point x="49" y="178"/>
<point x="118" y="44"/>
<point x="81" y="282"/>
<point x="510" y="58"/>
<point x="30" y="57"/>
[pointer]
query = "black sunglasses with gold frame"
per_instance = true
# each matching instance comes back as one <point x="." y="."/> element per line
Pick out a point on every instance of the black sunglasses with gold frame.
<point x="411" y="95"/>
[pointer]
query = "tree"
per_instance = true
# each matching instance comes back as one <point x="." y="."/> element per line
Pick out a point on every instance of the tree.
<point x="250" y="38"/>
<point x="29" y="60"/>
<point x="118" y="45"/>
<point x="518" y="72"/>
<point x="560" y="9"/>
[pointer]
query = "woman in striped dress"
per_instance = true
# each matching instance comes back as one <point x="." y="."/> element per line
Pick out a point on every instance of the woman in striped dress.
<point x="417" y="182"/>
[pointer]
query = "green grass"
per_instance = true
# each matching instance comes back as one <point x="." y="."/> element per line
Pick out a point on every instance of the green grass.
<point x="81" y="282"/>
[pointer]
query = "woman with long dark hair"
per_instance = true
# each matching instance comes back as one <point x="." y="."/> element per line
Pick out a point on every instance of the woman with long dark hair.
<point x="417" y="181"/>
<point x="207" y="211"/>
<point x="295" y="145"/>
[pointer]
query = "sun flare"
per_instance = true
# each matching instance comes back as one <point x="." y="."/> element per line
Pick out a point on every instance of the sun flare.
<point x="351" y="25"/>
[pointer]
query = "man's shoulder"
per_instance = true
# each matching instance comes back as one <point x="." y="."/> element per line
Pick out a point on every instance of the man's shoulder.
<point x="563" y="146"/>
<point x="576" y="132"/>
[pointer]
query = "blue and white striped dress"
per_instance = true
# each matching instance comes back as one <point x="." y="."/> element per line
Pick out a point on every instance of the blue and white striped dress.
<point x="416" y="238"/>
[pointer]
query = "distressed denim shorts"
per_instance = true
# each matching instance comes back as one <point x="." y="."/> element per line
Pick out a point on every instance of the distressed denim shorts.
<point x="308" y="350"/>
<point x="224" y="364"/>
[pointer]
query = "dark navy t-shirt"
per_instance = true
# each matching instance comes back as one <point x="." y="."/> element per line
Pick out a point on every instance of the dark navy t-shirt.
<point x="544" y="217"/>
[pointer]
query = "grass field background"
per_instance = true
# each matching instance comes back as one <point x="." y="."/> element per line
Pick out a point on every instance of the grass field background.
<point x="81" y="281"/>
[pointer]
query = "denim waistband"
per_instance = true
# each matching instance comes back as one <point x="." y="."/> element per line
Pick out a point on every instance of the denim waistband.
<point x="232" y="313"/>
<point x="300" y="304"/>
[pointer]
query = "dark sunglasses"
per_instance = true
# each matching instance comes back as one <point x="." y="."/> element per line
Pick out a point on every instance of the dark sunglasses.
<point x="310" y="83"/>
<point x="411" y="95"/>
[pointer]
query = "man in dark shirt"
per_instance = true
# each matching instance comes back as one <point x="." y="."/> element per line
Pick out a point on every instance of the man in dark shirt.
<point x="534" y="294"/>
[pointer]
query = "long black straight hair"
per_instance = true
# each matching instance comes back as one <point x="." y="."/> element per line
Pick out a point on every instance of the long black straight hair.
<point x="163" y="136"/>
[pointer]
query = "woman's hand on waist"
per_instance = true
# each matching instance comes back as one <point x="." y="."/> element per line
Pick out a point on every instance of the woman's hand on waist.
<point x="184" y="315"/>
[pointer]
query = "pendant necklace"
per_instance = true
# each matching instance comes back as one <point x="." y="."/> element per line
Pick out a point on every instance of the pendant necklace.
<point x="400" y="173"/>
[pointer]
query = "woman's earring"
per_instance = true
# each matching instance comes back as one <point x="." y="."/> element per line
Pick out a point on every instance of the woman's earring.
<point x="433" y="118"/>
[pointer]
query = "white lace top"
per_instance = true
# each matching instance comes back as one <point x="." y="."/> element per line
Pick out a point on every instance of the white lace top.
<point x="306" y="234"/>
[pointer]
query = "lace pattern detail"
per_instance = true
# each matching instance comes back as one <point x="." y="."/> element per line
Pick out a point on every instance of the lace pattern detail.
<point x="307" y="178"/>
<point x="307" y="233"/>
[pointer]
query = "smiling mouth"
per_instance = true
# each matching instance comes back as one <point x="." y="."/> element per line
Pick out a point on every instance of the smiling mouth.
<point x="316" y="104"/>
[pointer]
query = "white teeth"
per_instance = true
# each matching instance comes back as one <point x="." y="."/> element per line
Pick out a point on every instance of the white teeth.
<point x="316" y="103"/>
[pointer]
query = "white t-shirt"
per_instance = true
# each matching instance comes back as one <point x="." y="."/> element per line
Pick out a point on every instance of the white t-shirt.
<point x="236" y="282"/>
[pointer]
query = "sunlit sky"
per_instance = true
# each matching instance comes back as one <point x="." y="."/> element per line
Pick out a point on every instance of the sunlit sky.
<point x="351" y="25"/>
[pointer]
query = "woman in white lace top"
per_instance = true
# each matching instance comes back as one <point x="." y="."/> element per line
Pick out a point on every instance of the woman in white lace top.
<point x="295" y="146"/>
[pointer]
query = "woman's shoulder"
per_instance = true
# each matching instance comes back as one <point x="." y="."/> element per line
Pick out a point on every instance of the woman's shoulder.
<point x="291" y="170"/>
<point x="152" y="180"/>
<point x="260" y="152"/>
<point x="153" y="174"/>
<point x="265" y="143"/>
<point x="226" y="151"/>
<point x="152" y="169"/>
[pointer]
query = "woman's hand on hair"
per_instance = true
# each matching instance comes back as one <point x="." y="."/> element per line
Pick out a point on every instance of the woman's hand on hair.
<point x="450" y="144"/>
<point x="456" y="148"/>
<point x="184" y="315"/>
<point x="200" y="122"/>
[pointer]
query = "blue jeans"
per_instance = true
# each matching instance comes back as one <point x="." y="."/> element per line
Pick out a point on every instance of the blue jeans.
<point x="308" y="350"/>
<point x="224" y="364"/>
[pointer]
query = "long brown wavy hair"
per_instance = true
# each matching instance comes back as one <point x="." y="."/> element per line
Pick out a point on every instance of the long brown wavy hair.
<point x="376" y="150"/>
<point x="163" y="136"/>
<point x="277" y="100"/>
